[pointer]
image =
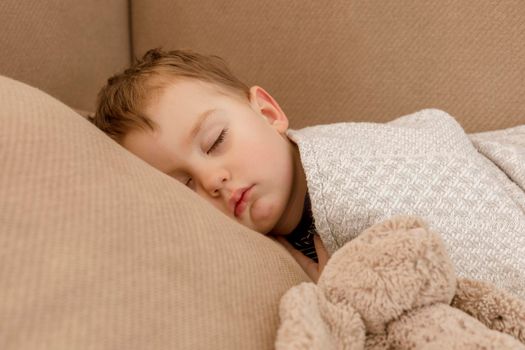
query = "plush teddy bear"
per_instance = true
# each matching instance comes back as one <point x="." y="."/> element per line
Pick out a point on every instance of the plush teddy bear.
<point x="394" y="287"/>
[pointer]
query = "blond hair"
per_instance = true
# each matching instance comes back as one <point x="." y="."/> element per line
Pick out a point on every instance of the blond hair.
<point x="121" y="103"/>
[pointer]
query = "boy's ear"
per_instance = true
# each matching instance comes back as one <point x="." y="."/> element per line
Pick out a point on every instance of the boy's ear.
<point x="264" y="104"/>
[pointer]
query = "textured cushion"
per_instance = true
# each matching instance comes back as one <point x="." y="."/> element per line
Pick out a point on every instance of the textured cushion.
<point x="67" y="48"/>
<point x="101" y="251"/>
<point x="358" y="60"/>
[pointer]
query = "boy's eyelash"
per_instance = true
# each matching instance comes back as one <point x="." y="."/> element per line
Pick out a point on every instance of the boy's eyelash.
<point x="219" y="140"/>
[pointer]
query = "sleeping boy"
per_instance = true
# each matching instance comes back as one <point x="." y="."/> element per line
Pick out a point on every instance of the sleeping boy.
<point x="316" y="188"/>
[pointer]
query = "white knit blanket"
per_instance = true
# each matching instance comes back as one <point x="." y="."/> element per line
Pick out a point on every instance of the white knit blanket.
<point x="469" y="188"/>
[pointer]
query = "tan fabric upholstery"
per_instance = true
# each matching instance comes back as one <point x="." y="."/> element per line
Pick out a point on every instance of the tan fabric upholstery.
<point x="66" y="48"/>
<point x="99" y="250"/>
<point x="102" y="251"/>
<point x="356" y="59"/>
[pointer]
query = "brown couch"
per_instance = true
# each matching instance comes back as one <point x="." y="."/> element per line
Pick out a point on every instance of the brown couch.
<point x="101" y="251"/>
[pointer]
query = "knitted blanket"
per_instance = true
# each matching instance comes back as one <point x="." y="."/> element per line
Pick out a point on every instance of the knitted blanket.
<point x="470" y="188"/>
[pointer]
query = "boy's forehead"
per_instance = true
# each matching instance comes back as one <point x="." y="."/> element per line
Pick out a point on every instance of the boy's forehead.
<point x="188" y="99"/>
<point x="179" y="93"/>
<point x="179" y="104"/>
<point x="188" y="103"/>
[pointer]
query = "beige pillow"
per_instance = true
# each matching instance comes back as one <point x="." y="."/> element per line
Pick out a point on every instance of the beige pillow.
<point x="99" y="250"/>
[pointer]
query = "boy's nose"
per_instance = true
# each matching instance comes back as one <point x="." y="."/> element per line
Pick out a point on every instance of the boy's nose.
<point x="214" y="182"/>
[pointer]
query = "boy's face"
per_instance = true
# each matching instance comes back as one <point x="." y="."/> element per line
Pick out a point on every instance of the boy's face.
<point x="255" y="152"/>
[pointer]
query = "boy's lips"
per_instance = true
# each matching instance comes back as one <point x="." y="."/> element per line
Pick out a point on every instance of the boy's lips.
<point x="238" y="198"/>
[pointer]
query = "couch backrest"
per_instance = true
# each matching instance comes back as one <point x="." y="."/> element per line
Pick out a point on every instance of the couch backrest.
<point x="66" y="48"/>
<point x="323" y="61"/>
<point x="358" y="59"/>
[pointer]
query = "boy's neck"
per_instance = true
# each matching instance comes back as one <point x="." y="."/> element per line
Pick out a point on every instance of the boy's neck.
<point x="297" y="198"/>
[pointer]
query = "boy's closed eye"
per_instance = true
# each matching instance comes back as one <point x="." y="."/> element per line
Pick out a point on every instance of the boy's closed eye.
<point x="219" y="140"/>
<point x="216" y="144"/>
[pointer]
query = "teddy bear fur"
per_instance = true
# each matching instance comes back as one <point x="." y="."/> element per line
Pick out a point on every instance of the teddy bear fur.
<point x="394" y="287"/>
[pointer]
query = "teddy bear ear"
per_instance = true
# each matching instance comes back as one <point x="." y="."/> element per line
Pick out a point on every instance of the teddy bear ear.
<point x="390" y="268"/>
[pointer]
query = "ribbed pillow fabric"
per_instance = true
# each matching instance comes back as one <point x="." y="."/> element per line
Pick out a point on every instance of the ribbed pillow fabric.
<point x="98" y="250"/>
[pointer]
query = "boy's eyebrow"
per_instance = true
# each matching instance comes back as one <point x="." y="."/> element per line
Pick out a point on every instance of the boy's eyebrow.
<point x="198" y="125"/>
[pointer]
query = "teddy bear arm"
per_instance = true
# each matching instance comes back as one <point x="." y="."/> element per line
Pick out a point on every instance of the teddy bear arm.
<point x="305" y="324"/>
<point x="440" y="326"/>
<point x="497" y="309"/>
<point x="301" y="325"/>
<point x="343" y="321"/>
